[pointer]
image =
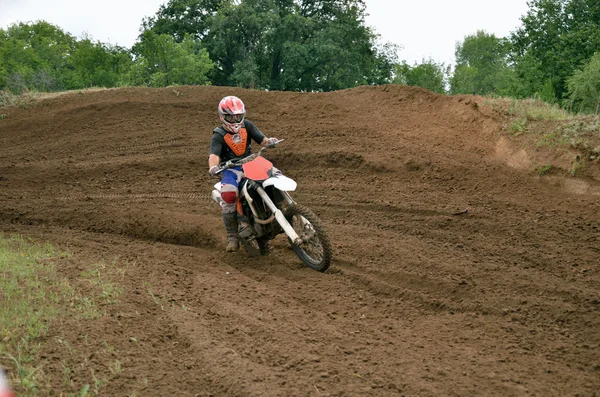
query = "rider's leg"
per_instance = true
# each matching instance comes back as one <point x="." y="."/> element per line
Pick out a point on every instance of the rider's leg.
<point x="229" y="196"/>
<point x="229" y="193"/>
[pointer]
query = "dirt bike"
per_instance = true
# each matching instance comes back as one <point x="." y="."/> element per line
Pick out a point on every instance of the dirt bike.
<point x="266" y="209"/>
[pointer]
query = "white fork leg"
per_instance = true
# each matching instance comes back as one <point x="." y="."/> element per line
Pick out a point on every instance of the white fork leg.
<point x="285" y="225"/>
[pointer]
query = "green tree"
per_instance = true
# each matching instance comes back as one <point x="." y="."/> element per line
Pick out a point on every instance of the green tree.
<point x="42" y="57"/>
<point x="584" y="87"/>
<point x="237" y="43"/>
<point x="558" y="37"/>
<point x="428" y="74"/>
<point x="96" y="65"/>
<point x="482" y="66"/>
<point x="161" y="61"/>
<point x="181" y="17"/>
<point x="33" y="53"/>
<point x="306" y="45"/>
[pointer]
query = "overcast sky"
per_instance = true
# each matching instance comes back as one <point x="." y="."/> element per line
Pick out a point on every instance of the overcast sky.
<point x="423" y="28"/>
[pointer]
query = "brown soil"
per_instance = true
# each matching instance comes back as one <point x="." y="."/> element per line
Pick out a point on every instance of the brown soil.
<point x="501" y="300"/>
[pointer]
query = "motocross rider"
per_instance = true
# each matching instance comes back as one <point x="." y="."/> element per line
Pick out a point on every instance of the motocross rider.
<point x="232" y="139"/>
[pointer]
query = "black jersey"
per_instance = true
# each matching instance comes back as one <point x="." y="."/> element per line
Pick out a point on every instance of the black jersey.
<point x="228" y="145"/>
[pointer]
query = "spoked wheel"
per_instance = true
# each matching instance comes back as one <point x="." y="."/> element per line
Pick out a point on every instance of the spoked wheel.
<point x="315" y="249"/>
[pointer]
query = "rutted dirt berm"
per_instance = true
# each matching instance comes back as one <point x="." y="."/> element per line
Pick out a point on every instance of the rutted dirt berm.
<point x="422" y="298"/>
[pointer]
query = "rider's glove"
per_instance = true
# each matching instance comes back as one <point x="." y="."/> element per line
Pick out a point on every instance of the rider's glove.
<point x="271" y="141"/>
<point x="213" y="171"/>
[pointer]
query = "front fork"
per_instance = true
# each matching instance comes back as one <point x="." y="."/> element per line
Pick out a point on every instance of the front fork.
<point x="285" y="225"/>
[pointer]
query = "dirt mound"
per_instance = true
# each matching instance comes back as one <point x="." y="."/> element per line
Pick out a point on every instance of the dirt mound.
<point x="458" y="271"/>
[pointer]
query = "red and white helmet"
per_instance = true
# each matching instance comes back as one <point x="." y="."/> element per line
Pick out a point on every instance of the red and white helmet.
<point x="232" y="112"/>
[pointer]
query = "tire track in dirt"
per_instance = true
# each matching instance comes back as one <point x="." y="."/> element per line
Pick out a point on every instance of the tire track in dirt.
<point x="135" y="196"/>
<point x="118" y="152"/>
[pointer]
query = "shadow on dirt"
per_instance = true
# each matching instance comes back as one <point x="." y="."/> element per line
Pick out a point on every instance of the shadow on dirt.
<point x="166" y="228"/>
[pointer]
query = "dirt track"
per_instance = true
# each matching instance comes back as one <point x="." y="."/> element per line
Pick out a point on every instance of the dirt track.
<point x="503" y="300"/>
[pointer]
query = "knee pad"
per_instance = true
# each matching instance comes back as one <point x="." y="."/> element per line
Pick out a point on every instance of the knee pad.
<point x="229" y="193"/>
<point x="229" y="197"/>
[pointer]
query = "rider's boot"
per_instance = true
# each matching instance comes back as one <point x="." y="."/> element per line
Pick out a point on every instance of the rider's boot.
<point x="231" y="226"/>
<point x="263" y="246"/>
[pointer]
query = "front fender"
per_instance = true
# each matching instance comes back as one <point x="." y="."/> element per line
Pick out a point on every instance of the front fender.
<point x="281" y="182"/>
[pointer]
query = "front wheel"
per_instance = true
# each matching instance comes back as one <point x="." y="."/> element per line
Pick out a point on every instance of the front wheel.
<point x="315" y="249"/>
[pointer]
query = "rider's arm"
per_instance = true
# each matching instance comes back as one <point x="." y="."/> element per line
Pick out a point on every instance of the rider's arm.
<point x="256" y="134"/>
<point x="216" y="145"/>
<point x="213" y="160"/>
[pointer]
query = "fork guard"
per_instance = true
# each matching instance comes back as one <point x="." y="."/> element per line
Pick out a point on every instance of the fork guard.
<point x="285" y="225"/>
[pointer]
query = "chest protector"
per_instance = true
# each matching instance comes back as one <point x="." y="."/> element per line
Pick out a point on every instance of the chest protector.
<point x="237" y="142"/>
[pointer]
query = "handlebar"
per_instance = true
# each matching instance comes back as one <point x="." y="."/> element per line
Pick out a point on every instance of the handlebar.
<point x="235" y="162"/>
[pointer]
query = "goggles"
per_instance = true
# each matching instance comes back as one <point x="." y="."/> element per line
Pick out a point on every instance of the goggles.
<point x="234" y="118"/>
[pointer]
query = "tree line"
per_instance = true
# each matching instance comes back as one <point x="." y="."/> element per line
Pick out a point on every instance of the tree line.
<point x="312" y="45"/>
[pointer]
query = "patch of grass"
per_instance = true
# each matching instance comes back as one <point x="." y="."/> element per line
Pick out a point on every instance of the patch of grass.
<point x="533" y="109"/>
<point x="31" y="98"/>
<point x="583" y="135"/>
<point x="155" y="298"/>
<point x="25" y="100"/>
<point x="84" y="391"/>
<point x="32" y="294"/>
<point x="536" y="109"/>
<point x="544" y="169"/>
<point x="67" y="375"/>
<point x="115" y="367"/>
<point x="578" y="165"/>
<point x="103" y="276"/>
<point x="554" y="128"/>
<point x="27" y="304"/>
<point x="551" y="139"/>
<point x="518" y="126"/>
<point x="98" y="383"/>
<point x="2" y="116"/>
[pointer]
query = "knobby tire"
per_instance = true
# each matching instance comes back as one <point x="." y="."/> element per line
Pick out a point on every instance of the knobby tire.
<point x="321" y="234"/>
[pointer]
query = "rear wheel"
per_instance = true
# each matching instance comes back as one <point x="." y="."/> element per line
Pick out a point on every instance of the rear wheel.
<point x="315" y="249"/>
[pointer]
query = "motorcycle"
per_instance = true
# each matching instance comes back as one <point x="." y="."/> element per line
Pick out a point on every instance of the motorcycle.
<point x="266" y="209"/>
